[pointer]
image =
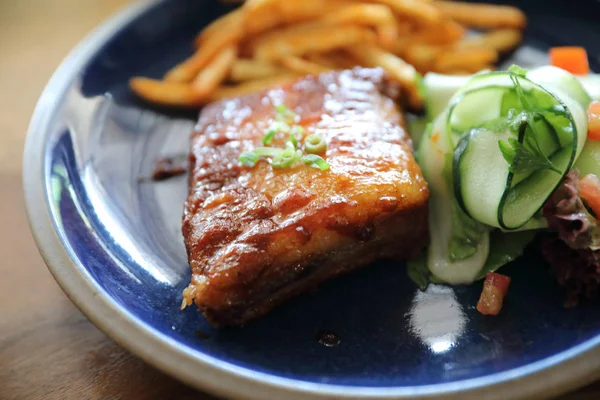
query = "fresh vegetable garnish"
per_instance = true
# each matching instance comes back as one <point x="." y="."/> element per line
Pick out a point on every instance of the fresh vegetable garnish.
<point x="284" y="114"/>
<point x="515" y="69"/>
<point x="567" y="214"/>
<point x="589" y="187"/>
<point x="524" y="159"/>
<point x="418" y="272"/>
<point x="273" y="130"/>
<point x="571" y="59"/>
<point x="315" y="144"/>
<point x="286" y="158"/>
<point x="248" y="159"/>
<point x="315" y="161"/>
<point x="524" y="154"/>
<point x="291" y="154"/>
<point x="594" y="120"/>
<point x="296" y="134"/>
<point x="494" y="290"/>
<point x="574" y="252"/>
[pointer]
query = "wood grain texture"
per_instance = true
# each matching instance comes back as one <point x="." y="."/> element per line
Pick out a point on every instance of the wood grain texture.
<point x="48" y="350"/>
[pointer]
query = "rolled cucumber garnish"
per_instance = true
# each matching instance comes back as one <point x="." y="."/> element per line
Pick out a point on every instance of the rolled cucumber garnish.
<point x="492" y="157"/>
<point x="509" y="159"/>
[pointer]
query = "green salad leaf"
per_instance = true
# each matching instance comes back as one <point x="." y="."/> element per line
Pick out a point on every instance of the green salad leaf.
<point x="504" y="248"/>
<point x="524" y="154"/>
<point x="418" y="272"/>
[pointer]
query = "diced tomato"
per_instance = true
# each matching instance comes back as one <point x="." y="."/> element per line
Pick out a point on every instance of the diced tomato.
<point x="594" y="120"/>
<point x="571" y="59"/>
<point x="495" y="288"/>
<point x="589" y="190"/>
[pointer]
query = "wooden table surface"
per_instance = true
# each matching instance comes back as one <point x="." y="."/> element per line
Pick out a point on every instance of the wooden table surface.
<point x="48" y="349"/>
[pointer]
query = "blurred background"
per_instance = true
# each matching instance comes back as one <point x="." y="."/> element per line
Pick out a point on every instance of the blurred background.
<point x="48" y="350"/>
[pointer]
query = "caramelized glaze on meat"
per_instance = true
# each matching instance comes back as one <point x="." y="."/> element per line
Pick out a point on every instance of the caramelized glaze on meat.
<point x="257" y="236"/>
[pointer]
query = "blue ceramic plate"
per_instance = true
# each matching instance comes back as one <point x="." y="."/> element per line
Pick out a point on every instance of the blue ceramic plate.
<point x="114" y="245"/>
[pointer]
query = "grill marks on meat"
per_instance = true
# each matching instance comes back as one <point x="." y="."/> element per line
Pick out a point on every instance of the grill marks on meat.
<point x="257" y="236"/>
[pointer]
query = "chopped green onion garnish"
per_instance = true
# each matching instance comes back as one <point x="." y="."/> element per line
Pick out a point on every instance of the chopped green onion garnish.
<point x="275" y="128"/>
<point x="290" y="146"/>
<point x="315" y="161"/>
<point x="284" y="113"/>
<point x="297" y="131"/>
<point x="248" y="158"/>
<point x="315" y="144"/>
<point x="286" y="158"/>
<point x="267" y="151"/>
<point x="268" y="137"/>
<point x="293" y="140"/>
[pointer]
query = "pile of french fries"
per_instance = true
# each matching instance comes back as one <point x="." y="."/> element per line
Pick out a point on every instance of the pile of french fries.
<point x="267" y="42"/>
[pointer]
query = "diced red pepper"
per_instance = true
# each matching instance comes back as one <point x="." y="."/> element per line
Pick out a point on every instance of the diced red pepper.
<point x="495" y="288"/>
<point x="573" y="59"/>
<point x="594" y="120"/>
<point x="589" y="189"/>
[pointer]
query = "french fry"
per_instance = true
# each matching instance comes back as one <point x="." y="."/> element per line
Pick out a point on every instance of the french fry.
<point x="342" y="59"/>
<point x="422" y="56"/>
<point x="472" y="59"/>
<point x="264" y="15"/>
<point x="292" y="11"/>
<point x="187" y="70"/>
<point x="377" y="15"/>
<point x="251" y="86"/>
<point x="283" y="34"/>
<point x="322" y="59"/>
<point x="214" y="73"/>
<point x="302" y="66"/>
<point x="487" y="16"/>
<point x="279" y="40"/>
<point x="220" y="26"/>
<point x="446" y="32"/>
<point x="249" y="69"/>
<point x="501" y="40"/>
<point x="422" y="11"/>
<point x="318" y="39"/>
<point x="396" y="68"/>
<point x="260" y="18"/>
<point x="165" y="93"/>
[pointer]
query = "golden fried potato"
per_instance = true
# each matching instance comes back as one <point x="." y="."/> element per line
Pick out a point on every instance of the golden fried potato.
<point x="249" y="69"/>
<point x="215" y="72"/>
<point x="483" y="15"/>
<point x="165" y="93"/>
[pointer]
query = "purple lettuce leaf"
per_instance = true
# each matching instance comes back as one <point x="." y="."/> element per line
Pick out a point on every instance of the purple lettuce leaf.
<point x="568" y="216"/>
<point x="573" y="249"/>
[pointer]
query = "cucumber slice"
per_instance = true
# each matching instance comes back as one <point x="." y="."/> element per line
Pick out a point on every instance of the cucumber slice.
<point x="589" y="160"/>
<point x="431" y="157"/>
<point x="480" y="174"/>
<point x="438" y="257"/>
<point x="521" y="202"/>
<point x="439" y="90"/>
<point x="467" y="111"/>
<point x="552" y="78"/>
<point x="591" y="84"/>
<point x="483" y="184"/>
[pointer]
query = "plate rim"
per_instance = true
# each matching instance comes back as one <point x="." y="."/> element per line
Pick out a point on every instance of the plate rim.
<point x="556" y="374"/>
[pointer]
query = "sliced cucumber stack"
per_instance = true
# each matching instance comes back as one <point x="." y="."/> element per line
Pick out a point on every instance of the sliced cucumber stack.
<point x="550" y="135"/>
<point x="499" y="147"/>
<point x="553" y="77"/>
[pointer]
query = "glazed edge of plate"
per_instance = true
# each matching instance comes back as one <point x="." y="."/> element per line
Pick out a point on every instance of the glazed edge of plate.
<point x="548" y="377"/>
